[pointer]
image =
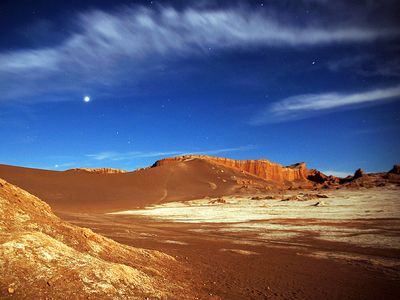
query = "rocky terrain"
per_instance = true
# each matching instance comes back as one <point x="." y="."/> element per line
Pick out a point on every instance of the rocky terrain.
<point x="179" y="178"/>
<point x="360" y="179"/>
<point x="264" y="230"/>
<point x="293" y="176"/>
<point x="41" y="256"/>
<point x="261" y="168"/>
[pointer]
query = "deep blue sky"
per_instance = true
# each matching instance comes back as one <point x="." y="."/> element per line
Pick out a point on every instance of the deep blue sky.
<point x="303" y="80"/>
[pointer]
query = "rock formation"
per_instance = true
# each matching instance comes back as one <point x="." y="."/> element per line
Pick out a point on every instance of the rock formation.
<point x="358" y="173"/>
<point x="260" y="168"/>
<point x="43" y="257"/>
<point x="395" y="170"/>
<point x="97" y="170"/>
<point x="319" y="178"/>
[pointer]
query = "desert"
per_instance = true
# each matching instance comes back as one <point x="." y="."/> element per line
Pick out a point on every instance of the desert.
<point x="222" y="233"/>
<point x="200" y="150"/>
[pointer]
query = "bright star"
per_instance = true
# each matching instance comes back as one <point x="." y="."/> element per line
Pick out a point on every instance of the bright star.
<point x="86" y="99"/>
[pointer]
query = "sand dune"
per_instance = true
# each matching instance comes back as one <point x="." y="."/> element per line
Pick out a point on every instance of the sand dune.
<point x="175" y="179"/>
<point x="226" y="233"/>
<point x="76" y="190"/>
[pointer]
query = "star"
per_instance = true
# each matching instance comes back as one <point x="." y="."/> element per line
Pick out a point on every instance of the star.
<point x="86" y="99"/>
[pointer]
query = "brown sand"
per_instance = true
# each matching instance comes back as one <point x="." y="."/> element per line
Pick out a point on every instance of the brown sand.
<point x="44" y="257"/>
<point x="241" y="266"/>
<point x="84" y="191"/>
<point x="287" y="259"/>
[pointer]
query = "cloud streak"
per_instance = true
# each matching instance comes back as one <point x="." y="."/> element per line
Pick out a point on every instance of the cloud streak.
<point x="107" y="46"/>
<point x="124" y="156"/>
<point x="307" y="105"/>
<point x="368" y="65"/>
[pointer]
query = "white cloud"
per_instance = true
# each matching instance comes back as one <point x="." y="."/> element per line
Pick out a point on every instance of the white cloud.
<point x="106" y="45"/>
<point x="120" y="156"/>
<point x="224" y="150"/>
<point x="304" y="106"/>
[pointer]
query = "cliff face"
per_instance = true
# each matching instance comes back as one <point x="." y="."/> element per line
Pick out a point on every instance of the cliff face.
<point x="261" y="168"/>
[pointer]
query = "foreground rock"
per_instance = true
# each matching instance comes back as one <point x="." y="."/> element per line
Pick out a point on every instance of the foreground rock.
<point x="42" y="256"/>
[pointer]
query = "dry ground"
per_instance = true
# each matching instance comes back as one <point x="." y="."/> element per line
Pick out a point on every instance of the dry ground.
<point x="346" y="247"/>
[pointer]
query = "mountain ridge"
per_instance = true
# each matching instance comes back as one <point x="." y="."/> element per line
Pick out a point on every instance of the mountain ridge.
<point x="174" y="179"/>
<point x="262" y="168"/>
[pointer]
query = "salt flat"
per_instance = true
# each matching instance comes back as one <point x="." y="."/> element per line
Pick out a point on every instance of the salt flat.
<point x="363" y="218"/>
<point x="340" y="205"/>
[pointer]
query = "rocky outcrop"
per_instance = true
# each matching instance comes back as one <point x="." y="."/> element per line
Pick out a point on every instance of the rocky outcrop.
<point x="358" y="173"/>
<point x="361" y="179"/>
<point x="395" y="170"/>
<point x="43" y="257"/>
<point x="97" y="170"/>
<point x="261" y="168"/>
<point x="319" y="178"/>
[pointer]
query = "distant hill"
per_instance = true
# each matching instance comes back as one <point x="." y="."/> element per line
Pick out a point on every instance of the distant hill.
<point x="171" y="179"/>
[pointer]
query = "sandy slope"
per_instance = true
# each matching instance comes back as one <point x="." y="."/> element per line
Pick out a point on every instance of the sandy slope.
<point x="92" y="192"/>
<point x="42" y="256"/>
<point x="250" y="245"/>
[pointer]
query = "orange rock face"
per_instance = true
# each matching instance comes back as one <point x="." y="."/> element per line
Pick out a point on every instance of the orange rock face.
<point x="261" y="168"/>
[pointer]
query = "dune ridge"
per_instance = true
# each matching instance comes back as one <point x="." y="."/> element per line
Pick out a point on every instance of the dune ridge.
<point x="173" y="179"/>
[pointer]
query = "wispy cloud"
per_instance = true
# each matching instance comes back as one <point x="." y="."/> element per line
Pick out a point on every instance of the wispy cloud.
<point x="224" y="150"/>
<point x="105" y="46"/>
<point x="304" y="106"/>
<point x="118" y="156"/>
<point x="123" y="156"/>
<point x="367" y="65"/>
<point x="63" y="165"/>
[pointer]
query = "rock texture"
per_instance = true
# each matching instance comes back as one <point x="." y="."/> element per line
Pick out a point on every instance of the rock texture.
<point x="43" y="257"/>
<point x="97" y="170"/>
<point x="395" y="170"/>
<point x="319" y="178"/>
<point x="261" y="168"/>
<point x="358" y="173"/>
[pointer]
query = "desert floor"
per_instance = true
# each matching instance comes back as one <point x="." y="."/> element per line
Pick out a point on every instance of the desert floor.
<point x="346" y="246"/>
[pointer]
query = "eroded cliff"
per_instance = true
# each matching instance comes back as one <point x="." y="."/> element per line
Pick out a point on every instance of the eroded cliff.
<point x="262" y="168"/>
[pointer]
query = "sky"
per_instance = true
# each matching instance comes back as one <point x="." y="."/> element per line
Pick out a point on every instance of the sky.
<point x="122" y="84"/>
